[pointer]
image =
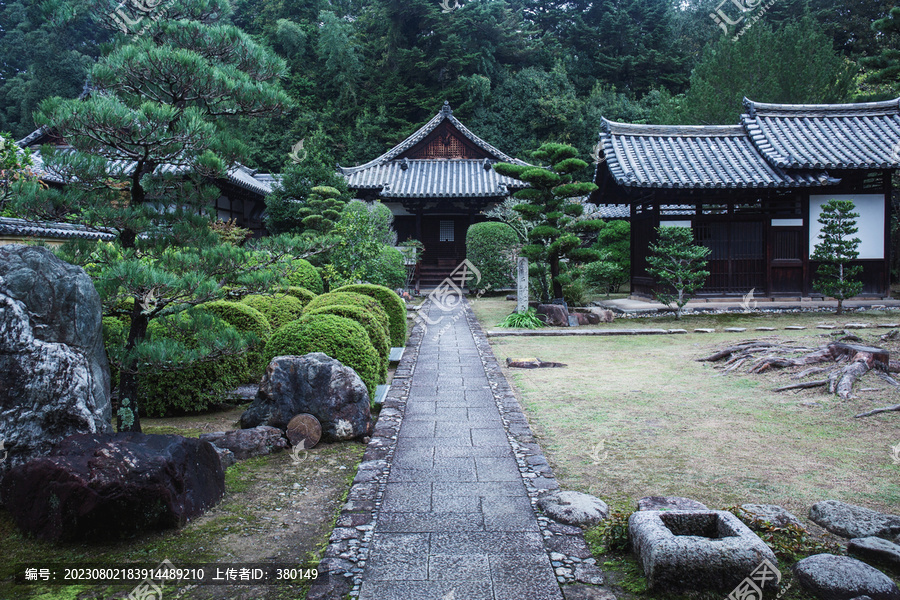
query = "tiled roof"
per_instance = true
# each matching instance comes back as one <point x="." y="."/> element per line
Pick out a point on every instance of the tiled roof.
<point x="398" y="177"/>
<point x="670" y="156"/>
<point x="240" y="175"/>
<point x="23" y="228"/>
<point x="826" y="136"/>
<point x="420" y="178"/>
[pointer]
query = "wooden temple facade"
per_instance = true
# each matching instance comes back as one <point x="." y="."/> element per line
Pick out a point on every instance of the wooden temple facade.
<point x="752" y="193"/>
<point x="436" y="182"/>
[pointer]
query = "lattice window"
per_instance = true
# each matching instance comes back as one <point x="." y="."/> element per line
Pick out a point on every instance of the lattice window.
<point x="445" y="146"/>
<point x="447" y="233"/>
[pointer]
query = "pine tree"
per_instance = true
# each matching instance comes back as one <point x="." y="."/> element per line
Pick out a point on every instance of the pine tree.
<point x="835" y="276"/>
<point x="885" y="67"/>
<point x="678" y="265"/>
<point x="548" y="202"/>
<point x="159" y="104"/>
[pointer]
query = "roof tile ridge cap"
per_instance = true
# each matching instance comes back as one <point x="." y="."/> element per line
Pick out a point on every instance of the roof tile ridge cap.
<point x="762" y="144"/>
<point x="779" y="109"/>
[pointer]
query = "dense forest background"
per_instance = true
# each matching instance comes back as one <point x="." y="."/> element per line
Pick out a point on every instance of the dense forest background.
<point x="364" y="73"/>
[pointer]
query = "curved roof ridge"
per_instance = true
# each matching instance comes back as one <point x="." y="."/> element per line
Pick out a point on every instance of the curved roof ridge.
<point x="446" y="113"/>
<point x="884" y="107"/>
<point x="649" y="130"/>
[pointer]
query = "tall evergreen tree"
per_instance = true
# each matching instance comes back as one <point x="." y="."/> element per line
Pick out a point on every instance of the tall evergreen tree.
<point x="158" y="105"/>
<point x="549" y="203"/>
<point x="678" y="265"/>
<point x="884" y="69"/>
<point x="835" y="276"/>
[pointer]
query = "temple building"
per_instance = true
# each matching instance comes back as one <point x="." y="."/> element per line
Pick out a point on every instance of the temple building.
<point x="436" y="182"/>
<point x="752" y="192"/>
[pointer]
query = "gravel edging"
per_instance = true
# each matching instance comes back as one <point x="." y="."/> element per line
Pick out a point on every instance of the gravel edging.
<point x="570" y="555"/>
<point x="341" y="568"/>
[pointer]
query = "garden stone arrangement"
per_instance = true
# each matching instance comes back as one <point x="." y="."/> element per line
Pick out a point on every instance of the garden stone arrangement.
<point x="54" y="366"/>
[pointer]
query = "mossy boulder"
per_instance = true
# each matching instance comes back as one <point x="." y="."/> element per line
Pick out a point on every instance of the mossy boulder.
<point x="340" y="338"/>
<point x="393" y="305"/>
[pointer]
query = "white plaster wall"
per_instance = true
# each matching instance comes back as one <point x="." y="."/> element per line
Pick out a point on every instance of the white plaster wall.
<point x="870" y="222"/>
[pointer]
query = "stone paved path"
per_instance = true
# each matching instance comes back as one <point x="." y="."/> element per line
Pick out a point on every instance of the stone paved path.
<point x="456" y="522"/>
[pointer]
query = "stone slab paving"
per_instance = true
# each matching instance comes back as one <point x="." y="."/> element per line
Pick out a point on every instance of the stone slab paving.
<point x="456" y="519"/>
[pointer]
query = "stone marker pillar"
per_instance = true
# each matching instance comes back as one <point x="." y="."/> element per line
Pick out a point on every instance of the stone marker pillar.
<point x="522" y="285"/>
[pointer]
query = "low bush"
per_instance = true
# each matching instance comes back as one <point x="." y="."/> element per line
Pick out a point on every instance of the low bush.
<point x="377" y="334"/>
<point x="306" y="276"/>
<point x="300" y="293"/>
<point x="340" y="338"/>
<point x="388" y="269"/>
<point x="245" y="319"/>
<point x="489" y="247"/>
<point x="366" y="303"/>
<point x="114" y="334"/>
<point x="392" y="304"/>
<point x="201" y="383"/>
<point x="279" y="309"/>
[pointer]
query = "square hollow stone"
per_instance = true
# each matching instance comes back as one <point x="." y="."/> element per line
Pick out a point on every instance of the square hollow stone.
<point x="695" y="550"/>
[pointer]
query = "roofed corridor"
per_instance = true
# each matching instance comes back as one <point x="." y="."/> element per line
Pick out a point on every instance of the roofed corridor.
<point x="456" y="521"/>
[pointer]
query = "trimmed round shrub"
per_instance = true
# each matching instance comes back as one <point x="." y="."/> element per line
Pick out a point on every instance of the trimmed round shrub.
<point x="245" y="319"/>
<point x="197" y="386"/>
<point x="366" y="303"/>
<point x="340" y="338"/>
<point x="387" y="269"/>
<point x="279" y="309"/>
<point x="302" y="294"/>
<point x="377" y="335"/>
<point x="306" y="276"/>
<point x="393" y="306"/>
<point x="488" y="248"/>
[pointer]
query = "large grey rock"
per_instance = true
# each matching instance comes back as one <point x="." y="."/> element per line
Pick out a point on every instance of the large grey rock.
<point x="831" y="577"/>
<point x="574" y="508"/>
<point x="55" y="375"/>
<point x="875" y="548"/>
<point x="770" y="513"/>
<point x="107" y="486"/>
<point x="247" y="443"/>
<point x="695" y="550"/>
<point x="850" y="521"/>
<point x="316" y="384"/>
<point x="669" y="503"/>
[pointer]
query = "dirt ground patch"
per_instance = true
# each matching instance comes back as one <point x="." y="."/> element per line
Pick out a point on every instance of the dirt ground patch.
<point x="277" y="509"/>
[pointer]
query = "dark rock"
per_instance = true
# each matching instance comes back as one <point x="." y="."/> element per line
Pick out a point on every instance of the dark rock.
<point x="604" y="314"/>
<point x="770" y="513"/>
<point x="574" y="508"/>
<point x="669" y="503"/>
<point x="875" y="548"/>
<point x="557" y="316"/>
<point x="106" y="486"/>
<point x="316" y="384"/>
<point x="512" y="297"/>
<point x="247" y="443"/>
<point x="850" y="521"/>
<point x="55" y="376"/>
<point x="226" y="456"/>
<point x="831" y="577"/>
<point x="587" y="318"/>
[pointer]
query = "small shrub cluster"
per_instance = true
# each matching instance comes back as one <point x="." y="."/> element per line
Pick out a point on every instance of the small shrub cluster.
<point x="524" y="320"/>
<point x="611" y="535"/>
<point x="366" y="303"/>
<point x="489" y="247"/>
<point x="279" y="309"/>
<point x="393" y="305"/>
<point x="300" y="293"/>
<point x="245" y="319"/>
<point x="306" y="276"/>
<point x="201" y="383"/>
<point x="789" y="543"/>
<point x="340" y="338"/>
<point x="377" y="333"/>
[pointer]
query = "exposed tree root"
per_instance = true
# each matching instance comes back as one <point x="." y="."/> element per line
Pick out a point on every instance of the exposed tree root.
<point x="879" y="410"/>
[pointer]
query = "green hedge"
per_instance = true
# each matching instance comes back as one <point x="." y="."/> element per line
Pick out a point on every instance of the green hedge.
<point x="366" y="303"/>
<point x="196" y="387"/>
<point x="279" y="309"/>
<point x="300" y="293"/>
<point x="340" y="338"/>
<point x="488" y="247"/>
<point x="306" y="276"/>
<point x="393" y="306"/>
<point x="245" y="319"/>
<point x="377" y="335"/>
<point x="115" y="333"/>
<point x="387" y="269"/>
